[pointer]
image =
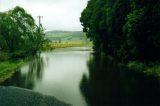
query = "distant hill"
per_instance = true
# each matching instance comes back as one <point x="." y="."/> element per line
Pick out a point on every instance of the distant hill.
<point x="65" y="36"/>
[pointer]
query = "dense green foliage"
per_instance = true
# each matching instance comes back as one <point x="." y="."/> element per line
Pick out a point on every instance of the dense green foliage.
<point x="19" y="35"/>
<point x="125" y="29"/>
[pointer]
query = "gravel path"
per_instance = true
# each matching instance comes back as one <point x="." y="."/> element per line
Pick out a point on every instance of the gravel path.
<point x="13" y="96"/>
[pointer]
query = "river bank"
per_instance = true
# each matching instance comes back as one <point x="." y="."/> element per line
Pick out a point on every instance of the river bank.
<point x="14" y="96"/>
<point x="54" y="45"/>
<point x="55" y="73"/>
<point x="8" y="68"/>
<point x="151" y="68"/>
<point x="80" y="77"/>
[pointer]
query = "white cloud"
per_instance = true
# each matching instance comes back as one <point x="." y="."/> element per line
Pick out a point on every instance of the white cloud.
<point x="57" y="14"/>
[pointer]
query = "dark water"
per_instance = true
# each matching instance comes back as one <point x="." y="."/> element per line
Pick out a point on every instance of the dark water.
<point x="77" y="77"/>
<point x="111" y="84"/>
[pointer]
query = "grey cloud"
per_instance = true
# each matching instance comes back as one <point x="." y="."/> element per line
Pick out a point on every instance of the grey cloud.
<point x="57" y="14"/>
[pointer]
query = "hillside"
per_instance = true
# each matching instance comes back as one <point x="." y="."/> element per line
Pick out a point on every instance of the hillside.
<point x="65" y="36"/>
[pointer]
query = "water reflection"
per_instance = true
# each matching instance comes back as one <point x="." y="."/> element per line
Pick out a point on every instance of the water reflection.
<point x="27" y="76"/>
<point x="106" y="82"/>
<point x="110" y="84"/>
<point x="55" y="73"/>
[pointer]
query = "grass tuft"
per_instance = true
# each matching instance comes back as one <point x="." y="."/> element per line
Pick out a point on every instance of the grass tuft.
<point x="8" y="68"/>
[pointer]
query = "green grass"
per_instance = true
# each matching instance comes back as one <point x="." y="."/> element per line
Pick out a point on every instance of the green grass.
<point x="8" y="68"/>
<point x="150" y="68"/>
<point x="70" y="44"/>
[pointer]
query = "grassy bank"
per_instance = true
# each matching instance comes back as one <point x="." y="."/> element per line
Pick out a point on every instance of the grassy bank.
<point x="70" y="44"/>
<point x="8" y="68"/>
<point x="152" y="68"/>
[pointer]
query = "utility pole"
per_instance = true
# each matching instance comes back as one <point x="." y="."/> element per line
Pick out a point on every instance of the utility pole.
<point x="39" y="18"/>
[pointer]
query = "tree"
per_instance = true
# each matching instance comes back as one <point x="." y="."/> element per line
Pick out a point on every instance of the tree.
<point x="142" y="29"/>
<point x="125" y="29"/>
<point x="20" y="35"/>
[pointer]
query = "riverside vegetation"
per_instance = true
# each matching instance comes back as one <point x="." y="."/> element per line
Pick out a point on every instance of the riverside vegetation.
<point x="20" y="37"/>
<point x="63" y="39"/>
<point x="128" y="30"/>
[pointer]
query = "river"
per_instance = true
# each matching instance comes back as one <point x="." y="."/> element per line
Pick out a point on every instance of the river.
<point x="78" y="77"/>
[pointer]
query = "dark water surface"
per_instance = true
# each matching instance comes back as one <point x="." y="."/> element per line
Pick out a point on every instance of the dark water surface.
<point x="78" y="77"/>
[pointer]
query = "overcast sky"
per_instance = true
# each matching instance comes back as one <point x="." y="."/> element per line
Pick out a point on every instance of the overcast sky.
<point x="57" y="14"/>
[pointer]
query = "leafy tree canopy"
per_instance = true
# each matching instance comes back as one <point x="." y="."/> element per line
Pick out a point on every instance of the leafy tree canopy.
<point x="125" y="29"/>
<point x="18" y="32"/>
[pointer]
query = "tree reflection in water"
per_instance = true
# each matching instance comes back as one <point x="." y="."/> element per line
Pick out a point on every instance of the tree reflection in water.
<point x="27" y="76"/>
<point x="110" y="84"/>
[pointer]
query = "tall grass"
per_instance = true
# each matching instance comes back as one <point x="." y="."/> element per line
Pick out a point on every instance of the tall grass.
<point x="148" y="68"/>
<point x="70" y="44"/>
<point x="8" y="68"/>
